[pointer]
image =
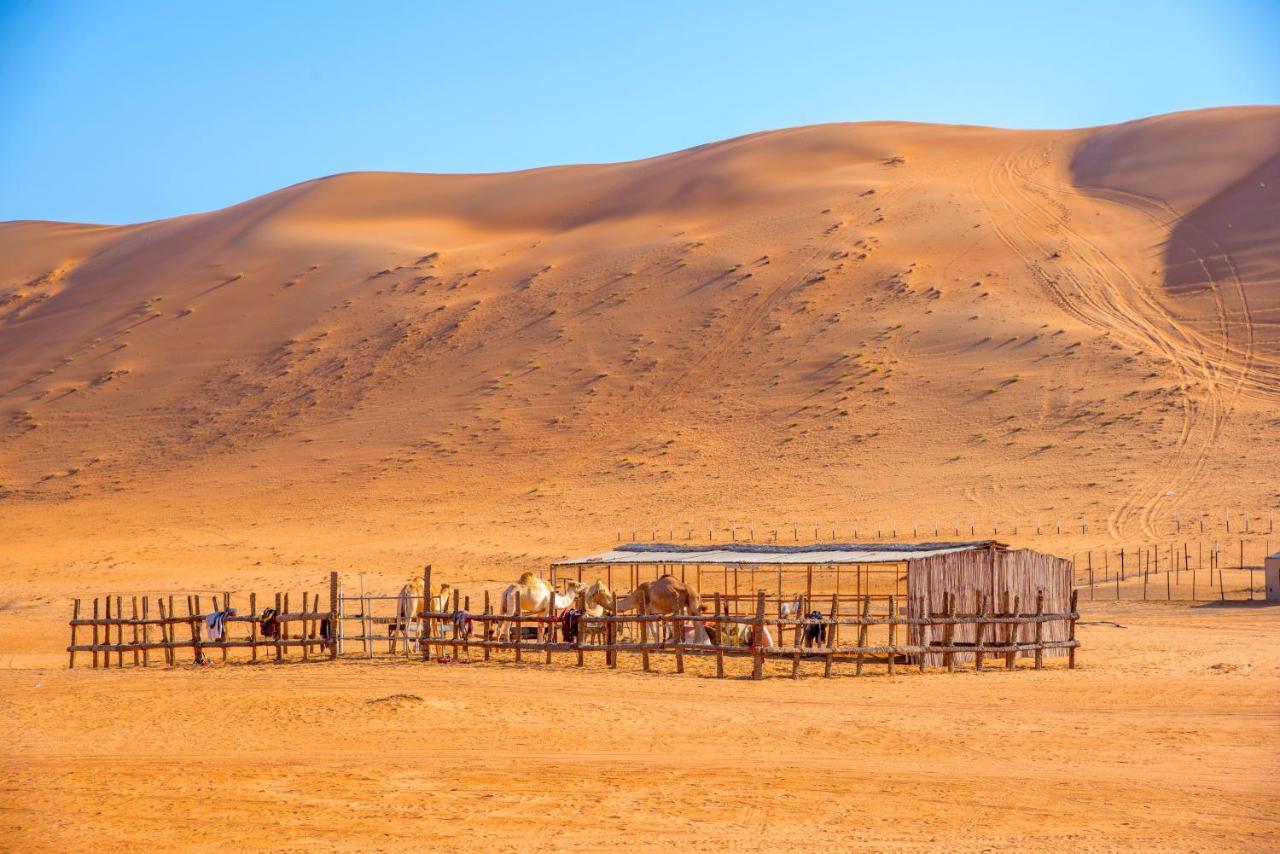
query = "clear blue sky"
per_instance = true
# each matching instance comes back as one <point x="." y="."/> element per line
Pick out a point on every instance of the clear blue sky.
<point x="126" y="111"/>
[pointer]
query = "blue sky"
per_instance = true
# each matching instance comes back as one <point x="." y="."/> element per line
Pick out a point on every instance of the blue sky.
<point x="128" y="111"/>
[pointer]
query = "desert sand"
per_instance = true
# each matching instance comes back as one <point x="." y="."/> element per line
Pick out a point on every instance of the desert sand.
<point x="841" y="325"/>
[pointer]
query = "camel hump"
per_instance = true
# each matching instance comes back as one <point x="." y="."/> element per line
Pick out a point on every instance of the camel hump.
<point x="527" y="579"/>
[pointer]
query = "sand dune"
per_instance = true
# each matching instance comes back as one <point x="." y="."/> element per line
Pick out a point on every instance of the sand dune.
<point x="803" y="324"/>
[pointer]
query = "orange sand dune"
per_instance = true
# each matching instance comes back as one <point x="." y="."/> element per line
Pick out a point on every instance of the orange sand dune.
<point x="827" y="324"/>
<point x="835" y="326"/>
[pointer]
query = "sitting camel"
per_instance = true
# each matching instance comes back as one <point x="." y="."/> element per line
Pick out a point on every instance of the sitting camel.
<point x="667" y="595"/>
<point x="411" y="604"/>
<point x="533" y="595"/>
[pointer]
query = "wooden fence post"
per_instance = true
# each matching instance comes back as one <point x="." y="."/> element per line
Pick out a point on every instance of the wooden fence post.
<point x="133" y="629"/>
<point x="862" y="634"/>
<point x="949" y="631"/>
<point x="335" y="608"/>
<point x="226" y="626"/>
<point x="306" y="647"/>
<point x="980" y="627"/>
<point x="106" y="632"/>
<point x="1071" y="636"/>
<point x="75" y="617"/>
<point x="194" y="622"/>
<point x="830" y="634"/>
<point x="1039" y="630"/>
<point x="922" y="631"/>
<point x="611" y="633"/>
<point x="580" y="604"/>
<point x="1011" y="656"/>
<point x="171" y="628"/>
<point x="644" y="631"/>
<point x="119" y="631"/>
<point x="677" y="637"/>
<point x="457" y="595"/>
<point x="146" y="631"/>
<point x="487" y="625"/>
<point x="519" y="629"/>
<point x="280" y="624"/>
<point x="893" y="634"/>
<point x="549" y="636"/>
<point x="95" y="632"/>
<point x="757" y="639"/>
<point x="426" y="628"/>
<point x="720" y="638"/>
<point x="253" y="625"/>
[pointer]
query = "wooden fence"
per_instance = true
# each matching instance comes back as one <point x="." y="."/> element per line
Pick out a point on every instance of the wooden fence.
<point x="1187" y="571"/>
<point x="900" y="637"/>
<point x="310" y="630"/>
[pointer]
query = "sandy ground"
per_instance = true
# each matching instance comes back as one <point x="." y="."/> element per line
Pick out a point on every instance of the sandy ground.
<point x="1158" y="741"/>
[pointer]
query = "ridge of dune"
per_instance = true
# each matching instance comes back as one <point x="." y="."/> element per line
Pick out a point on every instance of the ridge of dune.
<point x="886" y="319"/>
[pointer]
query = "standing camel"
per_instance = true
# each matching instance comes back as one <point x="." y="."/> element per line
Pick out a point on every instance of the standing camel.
<point x="666" y="595"/>
<point x="533" y="595"/>
<point x="411" y="604"/>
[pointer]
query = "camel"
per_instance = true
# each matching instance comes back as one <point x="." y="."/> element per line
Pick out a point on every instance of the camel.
<point x="596" y="600"/>
<point x="533" y="595"/>
<point x="667" y="595"/>
<point x="411" y="605"/>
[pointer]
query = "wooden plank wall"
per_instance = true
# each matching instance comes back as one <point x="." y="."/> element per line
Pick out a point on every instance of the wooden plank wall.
<point x="991" y="572"/>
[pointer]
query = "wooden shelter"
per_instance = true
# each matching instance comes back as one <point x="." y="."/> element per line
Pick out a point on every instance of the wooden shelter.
<point x="978" y="578"/>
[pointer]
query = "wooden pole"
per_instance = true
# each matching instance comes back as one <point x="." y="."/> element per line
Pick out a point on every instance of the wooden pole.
<point x="194" y="615"/>
<point x="456" y="608"/>
<point x="253" y="625"/>
<point x="830" y="634"/>
<point x="893" y="630"/>
<point x="981" y="626"/>
<point x="948" y="631"/>
<point x="335" y="610"/>
<point x="119" y="632"/>
<point x="1039" y="631"/>
<point x="550" y="635"/>
<point x="427" y="629"/>
<point x="306" y="647"/>
<point x="644" y="632"/>
<point x="1071" y="634"/>
<point x="677" y="636"/>
<point x="580" y="603"/>
<point x="862" y="633"/>
<point x="106" y="633"/>
<point x="71" y="653"/>
<point x="519" y="629"/>
<point x="922" y="635"/>
<point x="487" y="625"/>
<point x="720" y="639"/>
<point x="1011" y="631"/>
<point x="797" y="635"/>
<point x="279" y="629"/>
<point x="757" y="639"/>
<point x="95" y="633"/>
<point x="146" y="631"/>
<point x="134" y="628"/>
<point x="164" y="630"/>
<point x="611" y="634"/>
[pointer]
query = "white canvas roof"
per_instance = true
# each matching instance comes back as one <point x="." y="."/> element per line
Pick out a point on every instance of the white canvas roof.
<point x="735" y="554"/>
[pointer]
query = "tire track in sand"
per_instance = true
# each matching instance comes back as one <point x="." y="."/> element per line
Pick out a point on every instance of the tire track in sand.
<point x="1106" y="295"/>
